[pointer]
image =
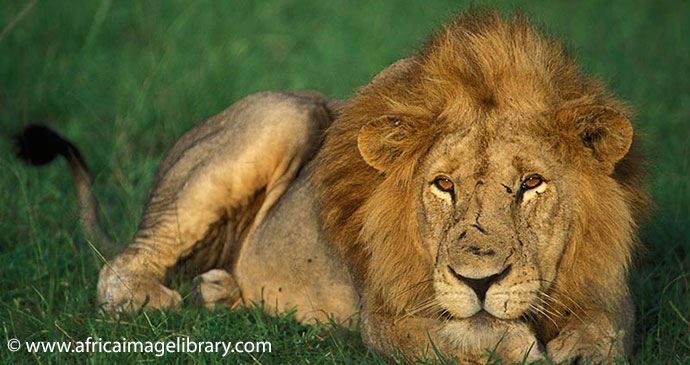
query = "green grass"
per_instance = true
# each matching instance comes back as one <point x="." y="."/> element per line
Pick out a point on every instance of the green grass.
<point x="124" y="79"/>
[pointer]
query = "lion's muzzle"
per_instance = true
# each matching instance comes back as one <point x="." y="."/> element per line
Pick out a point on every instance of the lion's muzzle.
<point x="483" y="268"/>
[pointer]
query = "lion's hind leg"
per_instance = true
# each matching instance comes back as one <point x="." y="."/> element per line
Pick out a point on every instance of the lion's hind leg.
<point x="211" y="190"/>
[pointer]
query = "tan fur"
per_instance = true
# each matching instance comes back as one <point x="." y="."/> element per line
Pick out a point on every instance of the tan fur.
<point x="211" y="191"/>
<point x="487" y="265"/>
<point x="488" y="99"/>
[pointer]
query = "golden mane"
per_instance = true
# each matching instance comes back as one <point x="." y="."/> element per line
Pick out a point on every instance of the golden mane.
<point x="478" y="61"/>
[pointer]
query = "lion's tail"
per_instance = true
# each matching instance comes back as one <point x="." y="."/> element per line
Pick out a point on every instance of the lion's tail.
<point x="39" y="145"/>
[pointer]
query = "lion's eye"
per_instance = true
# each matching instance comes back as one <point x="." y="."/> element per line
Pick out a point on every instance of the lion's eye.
<point x="531" y="182"/>
<point x="444" y="184"/>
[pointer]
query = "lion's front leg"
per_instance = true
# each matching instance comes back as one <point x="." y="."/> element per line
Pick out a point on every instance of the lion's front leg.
<point x="593" y="337"/>
<point x="411" y="336"/>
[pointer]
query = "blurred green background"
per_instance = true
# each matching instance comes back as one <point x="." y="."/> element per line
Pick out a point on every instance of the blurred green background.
<point x="124" y="79"/>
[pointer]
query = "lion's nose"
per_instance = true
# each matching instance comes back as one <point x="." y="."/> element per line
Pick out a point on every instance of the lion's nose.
<point x="481" y="285"/>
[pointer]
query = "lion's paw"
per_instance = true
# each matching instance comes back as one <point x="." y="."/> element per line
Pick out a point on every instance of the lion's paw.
<point x="569" y="349"/>
<point x="120" y="290"/>
<point x="518" y="345"/>
<point x="216" y="287"/>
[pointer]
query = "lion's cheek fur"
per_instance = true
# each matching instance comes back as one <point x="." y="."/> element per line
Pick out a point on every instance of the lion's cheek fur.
<point x="548" y="229"/>
<point x="400" y="266"/>
<point x="592" y="266"/>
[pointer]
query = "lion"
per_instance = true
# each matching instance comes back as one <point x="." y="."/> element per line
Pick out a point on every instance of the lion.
<point x="477" y="199"/>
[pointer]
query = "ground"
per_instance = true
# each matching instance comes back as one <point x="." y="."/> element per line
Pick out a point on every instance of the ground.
<point x="125" y="79"/>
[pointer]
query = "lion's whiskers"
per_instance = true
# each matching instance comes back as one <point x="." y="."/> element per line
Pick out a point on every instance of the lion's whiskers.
<point x="401" y="293"/>
<point x="549" y="308"/>
<point x="552" y="301"/>
<point x="543" y="311"/>
<point x="421" y="307"/>
<point x="553" y="304"/>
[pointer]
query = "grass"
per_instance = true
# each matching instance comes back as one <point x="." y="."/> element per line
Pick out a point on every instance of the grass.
<point x="125" y="79"/>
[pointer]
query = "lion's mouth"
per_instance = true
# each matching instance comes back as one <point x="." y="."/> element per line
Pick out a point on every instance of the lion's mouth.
<point x="505" y="295"/>
<point x="481" y="315"/>
<point x="480" y="318"/>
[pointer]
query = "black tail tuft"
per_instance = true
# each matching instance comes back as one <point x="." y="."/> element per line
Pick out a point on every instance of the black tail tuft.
<point x="38" y="145"/>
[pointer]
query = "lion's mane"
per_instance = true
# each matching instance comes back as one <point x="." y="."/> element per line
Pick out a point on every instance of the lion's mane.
<point x="371" y="218"/>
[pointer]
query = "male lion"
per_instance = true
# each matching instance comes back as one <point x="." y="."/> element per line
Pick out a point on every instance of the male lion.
<point x="479" y="197"/>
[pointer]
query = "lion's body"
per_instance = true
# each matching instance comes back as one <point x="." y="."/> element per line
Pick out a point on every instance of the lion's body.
<point x="288" y="261"/>
<point x="479" y="194"/>
<point x="226" y="201"/>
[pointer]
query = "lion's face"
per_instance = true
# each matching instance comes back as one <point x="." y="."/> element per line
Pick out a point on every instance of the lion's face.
<point x="488" y="205"/>
<point x="494" y="216"/>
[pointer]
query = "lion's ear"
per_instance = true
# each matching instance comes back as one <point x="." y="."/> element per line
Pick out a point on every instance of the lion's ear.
<point x="392" y="71"/>
<point x="383" y="141"/>
<point x="604" y="130"/>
